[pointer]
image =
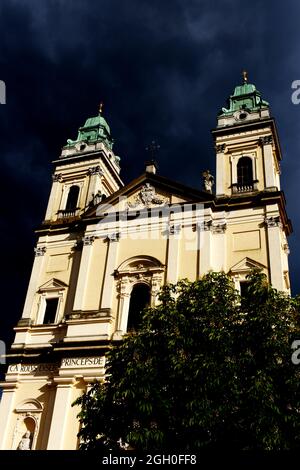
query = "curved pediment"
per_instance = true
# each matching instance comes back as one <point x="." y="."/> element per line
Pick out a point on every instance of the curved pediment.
<point x="139" y="263"/>
<point x="31" y="405"/>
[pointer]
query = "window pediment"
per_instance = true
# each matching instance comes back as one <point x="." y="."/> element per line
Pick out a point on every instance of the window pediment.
<point x="245" y="265"/>
<point x="139" y="264"/>
<point x="52" y="285"/>
<point x="31" y="405"/>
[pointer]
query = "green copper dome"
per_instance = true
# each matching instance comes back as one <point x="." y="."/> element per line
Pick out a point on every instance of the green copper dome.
<point x="94" y="130"/>
<point x="245" y="96"/>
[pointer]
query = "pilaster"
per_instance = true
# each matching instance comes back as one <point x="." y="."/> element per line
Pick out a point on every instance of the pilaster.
<point x="204" y="247"/>
<point x="54" y="194"/>
<point x="37" y="269"/>
<point x="83" y="276"/>
<point x="218" y="252"/>
<point x="62" y="405"/>
<point x="220" y="170"/>
<point x="111" y="261"/>
<point x="6" y="412"/>
<point x="274" y="228"/>
<point x="173" y="253"/>
<point x="95" y="174"/>
<point x="269" y="168"/>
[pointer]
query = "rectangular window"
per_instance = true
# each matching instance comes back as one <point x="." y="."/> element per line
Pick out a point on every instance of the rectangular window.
<point x="243" y="288"/>
<point x="51" y="309"/>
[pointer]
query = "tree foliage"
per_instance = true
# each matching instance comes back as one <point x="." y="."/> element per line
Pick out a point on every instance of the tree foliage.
<point x="207" y="369"/>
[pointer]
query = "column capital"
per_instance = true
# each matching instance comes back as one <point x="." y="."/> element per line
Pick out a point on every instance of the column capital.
<point x="88" y="240"/>
<point x="57" y="177"/>
<point x="273" y="222"/>
<point x="113" y="237"/>
<point x="174" y="229"/>
<point x="40" y="250"/>
<point x="220" y="148"/>
<point x="265" y="140"/>
<point x="218" y="227"/>
<point x="205" y="225"/>
<point x="95" y="170"/>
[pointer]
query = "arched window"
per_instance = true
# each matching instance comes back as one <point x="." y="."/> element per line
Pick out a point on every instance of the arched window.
<point x="244" y="174"/>
<point x="72" y="200"/>
<point x="139" y="299"/>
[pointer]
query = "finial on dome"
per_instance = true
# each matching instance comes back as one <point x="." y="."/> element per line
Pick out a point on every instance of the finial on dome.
<point x="100" y="107"/>
<point x="245" y="76"/>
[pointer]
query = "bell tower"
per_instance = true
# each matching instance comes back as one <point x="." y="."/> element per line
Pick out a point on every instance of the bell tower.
<point x="86" y="172"/>
<point x="247" y="145"/>
<point x="248" y="189"/>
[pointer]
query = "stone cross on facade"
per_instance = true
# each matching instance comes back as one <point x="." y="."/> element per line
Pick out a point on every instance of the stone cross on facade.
<point x="152" y="149"/>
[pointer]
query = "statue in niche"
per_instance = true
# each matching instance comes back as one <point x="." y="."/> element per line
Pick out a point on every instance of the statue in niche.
<point x="25" y="442"/>
<point x="96" y="199"/>
<point x="208" y="181"/>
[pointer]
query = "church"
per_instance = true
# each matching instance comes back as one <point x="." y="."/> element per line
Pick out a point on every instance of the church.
<point x="104" y="249"/>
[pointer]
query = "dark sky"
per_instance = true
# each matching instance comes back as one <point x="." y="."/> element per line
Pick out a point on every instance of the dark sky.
<point x="163" y="69"/>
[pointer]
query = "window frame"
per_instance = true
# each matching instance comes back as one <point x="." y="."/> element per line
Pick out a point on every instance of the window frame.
<point x="239" y="166"/>
<point x="148" y="286"/>
<point x="43" y="304"/>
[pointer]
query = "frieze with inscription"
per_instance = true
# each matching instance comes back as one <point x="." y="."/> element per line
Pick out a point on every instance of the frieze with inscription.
<point x="33" y="368"/>
<point x="53" y="367"/>
<point x="82" y="362"/>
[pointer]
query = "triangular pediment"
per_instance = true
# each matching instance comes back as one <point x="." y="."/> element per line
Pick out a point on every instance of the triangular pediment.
<point x="53" y="284"/>
<point x="147" y="191"/>
<point x="245" y="265"/>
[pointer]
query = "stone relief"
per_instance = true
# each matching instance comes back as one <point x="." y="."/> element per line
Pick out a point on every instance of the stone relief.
<point x="147" y="197"/>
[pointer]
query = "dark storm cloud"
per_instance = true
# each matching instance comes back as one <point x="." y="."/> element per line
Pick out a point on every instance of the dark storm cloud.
<point x="163" y="69"/>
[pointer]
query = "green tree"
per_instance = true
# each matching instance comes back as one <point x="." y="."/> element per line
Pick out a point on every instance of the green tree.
<point x="207" y="369"/>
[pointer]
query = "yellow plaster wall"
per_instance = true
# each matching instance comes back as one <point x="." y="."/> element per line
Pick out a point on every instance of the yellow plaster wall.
<point x="236" y="252"/>
<point x="129" y="248"/>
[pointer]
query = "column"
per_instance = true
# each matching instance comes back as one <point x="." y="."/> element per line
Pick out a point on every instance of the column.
<point x="267" y="149"/>
<point x="173" y="253"/>
<point x="57" y="179"/>
<point x="220" y="170"/>
<point x="6" y="410"/>
<point x="275" y="252"/>
<point x="111" y="261"/>
<point x="34" y="283"/>
<point x="62" y="406"/>
<point x="84" y="269"/>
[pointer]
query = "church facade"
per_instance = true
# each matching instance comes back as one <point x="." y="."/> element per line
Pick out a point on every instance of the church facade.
<point x="105" y="249"/>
